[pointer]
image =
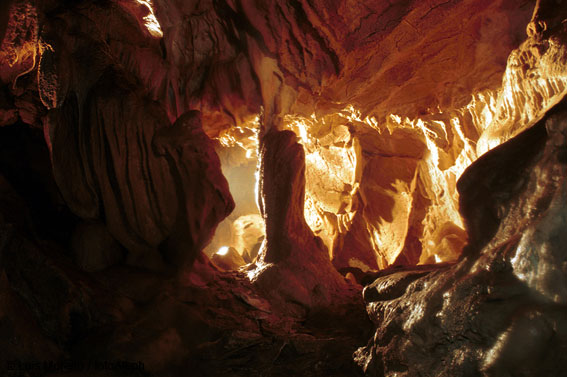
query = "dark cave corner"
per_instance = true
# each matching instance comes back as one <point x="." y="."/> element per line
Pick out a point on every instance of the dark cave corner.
<point x="229" y="188"/>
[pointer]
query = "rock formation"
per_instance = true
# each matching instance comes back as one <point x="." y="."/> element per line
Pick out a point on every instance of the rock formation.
<point x="208" y="185"/>
<point x="498" y="310"/>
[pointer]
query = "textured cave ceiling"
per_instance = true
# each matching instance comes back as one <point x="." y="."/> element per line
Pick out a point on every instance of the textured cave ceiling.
<point x="210" y="185"/>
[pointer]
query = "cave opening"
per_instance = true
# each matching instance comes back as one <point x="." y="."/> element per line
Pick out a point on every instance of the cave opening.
<point x="239" y="236"/>
<point x="376" y="195"/>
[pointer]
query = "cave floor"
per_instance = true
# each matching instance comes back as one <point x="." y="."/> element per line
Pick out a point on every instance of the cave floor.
<point x="137" y="323"/>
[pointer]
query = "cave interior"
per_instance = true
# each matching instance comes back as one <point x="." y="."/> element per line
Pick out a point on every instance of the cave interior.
<point x="283" y="188"/>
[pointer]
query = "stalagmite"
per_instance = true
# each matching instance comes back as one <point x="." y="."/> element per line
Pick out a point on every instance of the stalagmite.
<point x="265" y="188"/>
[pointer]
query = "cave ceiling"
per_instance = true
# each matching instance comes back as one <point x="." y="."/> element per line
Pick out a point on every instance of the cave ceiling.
<point x="409" y="58"/>
<point x="184" y="169"/>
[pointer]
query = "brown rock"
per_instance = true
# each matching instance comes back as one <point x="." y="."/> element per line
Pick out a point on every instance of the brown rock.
<point x="202" y="191"/>
<point x="19" y="45"/>
<point x="94" y="247"/>
<point x="140" y="194"/>
<point x="390" y="101"/>
<point x="292" y="261"/>
<point x="494" y="311"/>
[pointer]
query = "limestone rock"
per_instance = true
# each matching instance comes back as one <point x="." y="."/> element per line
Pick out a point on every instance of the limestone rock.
<point x="364" y="116"/>
<point x="20" y="44"/>
<point x="292" y="261"/>
<point x="202" y="191"/>
<point x="441" y="83"/>
<point x="496" y="311"/>
<point x="248" y="235"/>
<point x="138" y="183"/>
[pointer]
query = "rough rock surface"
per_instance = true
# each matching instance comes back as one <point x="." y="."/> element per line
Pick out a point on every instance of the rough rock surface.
<point x="59" y="313"/>
<point x="60" y="322"/>
<point x="129" y="167"/>
<point x="236" y="61"/>
<point x="363" y="116"/>
<point x="500" y="309"/>
<point x="292" y="260"/>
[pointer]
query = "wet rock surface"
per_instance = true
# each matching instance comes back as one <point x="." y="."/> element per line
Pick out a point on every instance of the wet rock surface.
<point x="497" y="311"/>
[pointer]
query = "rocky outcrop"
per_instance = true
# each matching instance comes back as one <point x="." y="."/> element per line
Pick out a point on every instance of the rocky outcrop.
<point x="292" y="261"/>
<point x="203" y="198"/>
<point x="414" y="218"/>
<point x="59" y="319"/>
<point x="124" y="164"/>
<point x="498" y="310"/>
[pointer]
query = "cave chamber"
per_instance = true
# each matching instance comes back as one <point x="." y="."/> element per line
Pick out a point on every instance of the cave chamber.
<point x="268" y="188"/>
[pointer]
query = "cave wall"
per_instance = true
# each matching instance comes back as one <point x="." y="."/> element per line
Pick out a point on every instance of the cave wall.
<point x="499" y="310"/>
<point x="363" y="118"/>
<point x="366" y="90"/>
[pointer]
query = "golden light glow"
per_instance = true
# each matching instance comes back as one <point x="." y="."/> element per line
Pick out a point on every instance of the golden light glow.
<point x="340" y="183"/>
<point x="256" y="269"/>
<point x="334" y="163"/>
<point x="535" y="80"/>
<point x="223" y="250"/>
<point x="244" y="228"/>
<point x="244" y="135"/>
<point x="20" y="47"/>
<point x="331" y="182"/>
<point x="247" y="231"/>
<point x="143" y="11"/>
<point x="150" y="20"/>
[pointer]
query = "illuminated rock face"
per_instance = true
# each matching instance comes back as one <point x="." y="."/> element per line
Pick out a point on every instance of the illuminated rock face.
<point x="389" y="98"/>
<point x="407" y="212"/>
<point x="361" y="117"/>
<point x="366" y="88"/>
<point x="498" y="310"/>
<point x="292" y="261"/>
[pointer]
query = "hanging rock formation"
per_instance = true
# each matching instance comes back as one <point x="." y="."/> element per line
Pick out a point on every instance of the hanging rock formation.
<point x="415" y="147"/>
